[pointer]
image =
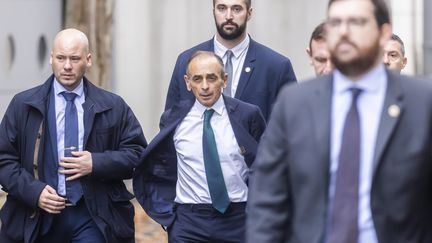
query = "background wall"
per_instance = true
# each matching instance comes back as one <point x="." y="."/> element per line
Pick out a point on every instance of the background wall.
<point x="26" y="31"/>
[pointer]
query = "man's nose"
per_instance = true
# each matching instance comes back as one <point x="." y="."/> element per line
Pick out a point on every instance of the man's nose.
<point x="204" y="85"/>
<point x="386" y="59"/>
<point x="328" y="67"/>
<point x="67" y="65"/>
<point x="229" y="14"/>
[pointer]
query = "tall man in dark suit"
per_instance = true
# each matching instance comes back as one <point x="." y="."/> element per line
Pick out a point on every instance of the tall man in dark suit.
<point x="347" y="157"/>
<point x="66" y="146"/>
<point x="256" y="73"/>
<point x="193" y="177"/>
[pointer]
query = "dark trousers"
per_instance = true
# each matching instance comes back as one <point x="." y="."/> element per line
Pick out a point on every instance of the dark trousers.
<point x="199" y="223"/>
<point x="74" y="224"/>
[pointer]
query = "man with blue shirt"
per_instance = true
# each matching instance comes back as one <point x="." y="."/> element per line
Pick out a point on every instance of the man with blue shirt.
<point x="346" y="157"/>
<point x="255" y="72"/>
<point x="66" y="147"/>
<point x="193" y="177"/>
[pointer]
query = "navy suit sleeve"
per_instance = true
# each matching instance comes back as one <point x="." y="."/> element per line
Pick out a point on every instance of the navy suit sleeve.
<point x="14" y="178"/>
<point x="119" y="163"/>
<point x="269" y="193"/>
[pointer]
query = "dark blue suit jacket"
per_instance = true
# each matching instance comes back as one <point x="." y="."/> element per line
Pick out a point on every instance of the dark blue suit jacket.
<point x="111" y="133"/>
<point x="155" y="178"/>
<point x="264" y="72"/>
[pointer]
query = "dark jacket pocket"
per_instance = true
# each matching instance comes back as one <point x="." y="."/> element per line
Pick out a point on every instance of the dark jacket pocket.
<point x="119" y="214"/>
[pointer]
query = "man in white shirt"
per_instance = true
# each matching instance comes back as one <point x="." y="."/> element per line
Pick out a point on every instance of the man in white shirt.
<point x="193" y="178"/>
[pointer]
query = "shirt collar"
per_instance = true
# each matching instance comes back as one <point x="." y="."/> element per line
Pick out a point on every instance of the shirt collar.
<point x="373" y="81"/>
<point x="220" y="49"/>
<point x="218" y="107"/>
<point x="58" y="88"/>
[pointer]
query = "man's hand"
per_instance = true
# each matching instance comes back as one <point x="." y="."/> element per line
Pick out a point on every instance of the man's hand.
<point x="78" y="166"/>
<point x="50" y="201"/>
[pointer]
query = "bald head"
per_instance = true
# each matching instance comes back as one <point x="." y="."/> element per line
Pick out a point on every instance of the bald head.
<point x="71" y="36"/>
<point x="70" y="57"/>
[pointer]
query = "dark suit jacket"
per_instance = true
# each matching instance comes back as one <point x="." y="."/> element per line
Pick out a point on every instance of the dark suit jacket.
<point x="113" y="136"/>
<point x="155" y="179"/>
<point x="288" y="199"/>
<point x="269" y="71"/>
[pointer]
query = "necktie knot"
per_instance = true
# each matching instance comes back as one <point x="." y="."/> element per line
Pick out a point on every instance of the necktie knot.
<point x="228" y="54"/>
<point x="69" y="96"/>
<point x="355" y="94"/>
<point x="229" y="71"/>
<point x="207" y="115"/>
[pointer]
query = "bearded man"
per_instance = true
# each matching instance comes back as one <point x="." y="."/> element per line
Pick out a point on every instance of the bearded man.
<point x="255" y="72"/>
<point x="346" y="157"/>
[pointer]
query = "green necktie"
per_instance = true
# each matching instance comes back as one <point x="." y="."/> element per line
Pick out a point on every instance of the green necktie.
<point x="215" y="179"/>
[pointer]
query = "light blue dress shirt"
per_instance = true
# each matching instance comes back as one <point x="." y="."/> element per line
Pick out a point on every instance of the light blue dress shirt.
<point x="370" y="103"/>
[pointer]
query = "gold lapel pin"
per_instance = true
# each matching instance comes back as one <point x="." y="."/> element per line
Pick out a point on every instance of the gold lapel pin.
<point x="393" y="110"/>
<point x="242" y="150"/>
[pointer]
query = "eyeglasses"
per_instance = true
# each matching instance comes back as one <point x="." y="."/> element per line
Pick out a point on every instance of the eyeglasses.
<point x="335" y="23"/>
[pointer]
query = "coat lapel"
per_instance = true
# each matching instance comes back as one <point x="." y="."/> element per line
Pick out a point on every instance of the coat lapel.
<point x="91" y="107"/>
<point x="52" y="127"/>
<point x="390" y="115"/>
<point x="247" y="69"/>
<point x="247" y="144"/>
<point x="41" y="101"/>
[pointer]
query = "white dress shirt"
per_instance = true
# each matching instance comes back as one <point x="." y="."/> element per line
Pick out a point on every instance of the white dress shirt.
<point x="191" y="177"/>
<point x="370" y="103"/>
<point x="238" y="58"/>
<point x="60" y="106"/>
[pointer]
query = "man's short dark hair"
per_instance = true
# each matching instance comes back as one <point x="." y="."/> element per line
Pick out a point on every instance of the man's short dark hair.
<point x="209" y="54"/>
<point x="317" y="35"/>
<point x="398" y="39"/>
<point x="381" y="11"/>
<point x="247" y="2"/>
